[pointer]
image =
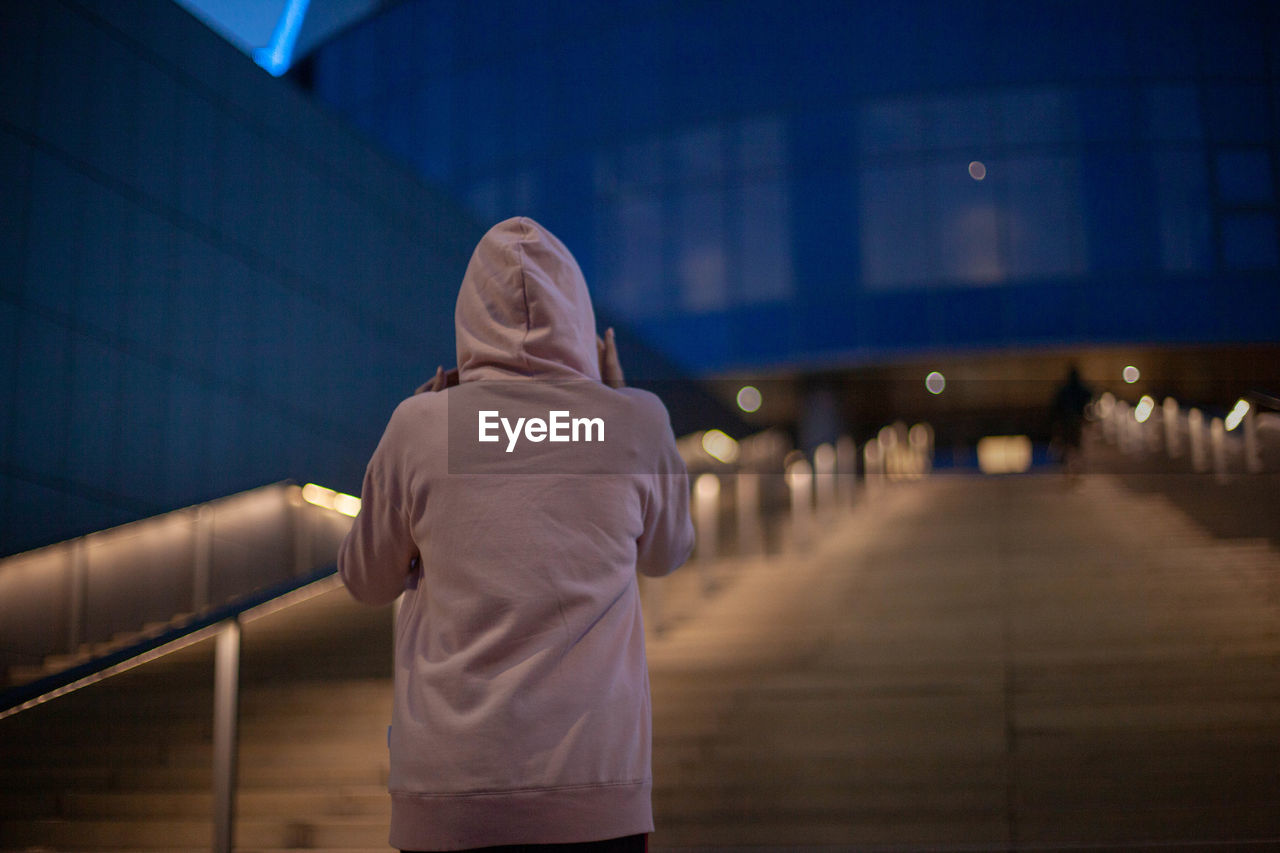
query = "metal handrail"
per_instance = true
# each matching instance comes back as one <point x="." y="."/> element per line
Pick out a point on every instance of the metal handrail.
<point x="1260" y="398"/>
<point x="223" y="623"/>
<point x="183" y="633"/>
<point x="1170" y="426"/>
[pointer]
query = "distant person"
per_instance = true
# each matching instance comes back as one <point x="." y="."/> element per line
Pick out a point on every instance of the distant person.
<point x="521" y="712"/>
<point x="1068" y="413"/>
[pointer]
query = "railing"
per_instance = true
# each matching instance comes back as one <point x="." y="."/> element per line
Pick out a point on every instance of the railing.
<point x="155" y="568"/>
<point x="759" y="496"/>
<point x="1225" y="445"/>
<point x="222" y="623"/>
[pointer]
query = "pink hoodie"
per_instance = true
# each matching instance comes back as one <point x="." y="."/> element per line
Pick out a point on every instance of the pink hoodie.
<point x="521" y="689"/>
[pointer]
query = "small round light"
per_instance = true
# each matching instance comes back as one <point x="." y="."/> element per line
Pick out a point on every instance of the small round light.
<point x="1131" y="374"/>
<point x="935" y="382"/>
<point x="977" y="170"/>
<point x="749" y="398"/>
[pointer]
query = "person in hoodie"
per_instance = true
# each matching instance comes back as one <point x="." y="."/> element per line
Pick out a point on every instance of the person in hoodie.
<point x="521" y="712"/>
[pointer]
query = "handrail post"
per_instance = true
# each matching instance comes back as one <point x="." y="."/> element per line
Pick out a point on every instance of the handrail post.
<point x="799" y="479"/>
<point x="846" y="470"/>
<point x="1217" y="444"/>
<point x="824" y="477"/>
<point x="1195" y="438"/>
<point x="226" y="706"/>
<point x="1172" y="437"/>
<point x="1252" y="458"/>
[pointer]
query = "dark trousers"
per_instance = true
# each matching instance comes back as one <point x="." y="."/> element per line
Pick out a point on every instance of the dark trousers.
<point x="629" y="844"/>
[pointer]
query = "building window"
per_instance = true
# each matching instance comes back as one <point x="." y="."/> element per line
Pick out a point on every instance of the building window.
<point x="1249" y="242"/>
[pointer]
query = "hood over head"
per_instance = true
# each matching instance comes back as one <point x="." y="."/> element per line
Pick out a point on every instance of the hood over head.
<point x="524" y="309"/>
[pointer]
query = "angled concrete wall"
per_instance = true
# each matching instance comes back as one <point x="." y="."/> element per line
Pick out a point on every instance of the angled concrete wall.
<point x="207" y="282"/>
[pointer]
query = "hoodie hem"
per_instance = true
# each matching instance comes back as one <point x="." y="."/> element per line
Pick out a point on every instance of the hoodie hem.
<point x="535" y="816"/>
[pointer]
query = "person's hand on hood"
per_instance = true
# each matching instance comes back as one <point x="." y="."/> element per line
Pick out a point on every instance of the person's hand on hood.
<point x="442" y="380"/>
<point x="610" y="367"/>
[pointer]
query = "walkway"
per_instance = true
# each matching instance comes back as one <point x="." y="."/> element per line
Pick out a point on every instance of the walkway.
<point x="959" y="664"/>
<point x="973" y="663"/>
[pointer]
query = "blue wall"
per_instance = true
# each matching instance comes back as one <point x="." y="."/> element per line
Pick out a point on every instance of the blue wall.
<point x="206" y="282"/>
<point x="760" y="184"/>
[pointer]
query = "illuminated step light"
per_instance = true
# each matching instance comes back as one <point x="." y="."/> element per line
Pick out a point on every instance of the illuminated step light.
<point x="329" y="499"/>
<point x="1236" y="416"/>
<point x="1004" y="454"/>
<point x="1144" y="409"/>
<point x="1131" y="374"/>
<point x="720" y="446"/>
<point x="749" y="398"/>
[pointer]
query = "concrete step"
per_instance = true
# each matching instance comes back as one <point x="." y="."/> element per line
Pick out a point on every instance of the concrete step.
<point x="818" y="796"/>
<point x="304" y="699"/>
<point x="360" y="800"/>
<point x="171" y="744"/>
<point x="53" y="777"/>
<point x="193" y="777"/>
<point x="150" y="834"/>
<point x="351" y="750"/>
<point x="27" y="803"/>
<point x="99" y="849"/>
<point x="731" y="829"/>
<point x="90" y="729"/>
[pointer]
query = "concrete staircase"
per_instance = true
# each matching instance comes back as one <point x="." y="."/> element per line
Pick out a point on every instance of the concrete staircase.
<point x="958" y="664"/>
<point x="126" y="764"/>
<point x="980" y="664"/>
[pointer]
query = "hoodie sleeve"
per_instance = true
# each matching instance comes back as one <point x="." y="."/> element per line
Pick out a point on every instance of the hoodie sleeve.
<point x="667" y="540"/>
<point x="375" y="558"/>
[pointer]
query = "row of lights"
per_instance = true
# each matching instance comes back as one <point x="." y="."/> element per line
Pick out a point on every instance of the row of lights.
<point x="1147" y="405"/>
<point x="348" y="505"/>
<point x="749" y="397"/>
<point x="936" y="383"/>
<point x="721" y="446"/>
<point x="749" y="400"/>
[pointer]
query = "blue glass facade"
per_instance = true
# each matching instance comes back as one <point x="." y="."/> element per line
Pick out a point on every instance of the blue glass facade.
<point x="749" y="185"/>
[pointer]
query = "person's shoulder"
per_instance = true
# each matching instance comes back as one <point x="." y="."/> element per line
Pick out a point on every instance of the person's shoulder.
<point x="644" y="401"/>
<point x="413" y="414"/>
<point x="420" y="404"/>
<point x="647" y="411"/>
